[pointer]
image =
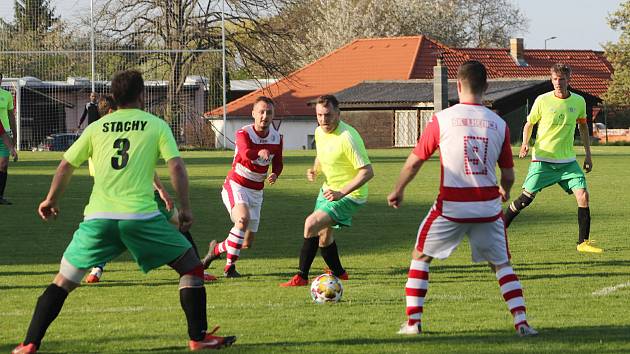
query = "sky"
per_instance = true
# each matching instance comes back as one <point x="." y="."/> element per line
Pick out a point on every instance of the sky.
<point x="576" y="24"/>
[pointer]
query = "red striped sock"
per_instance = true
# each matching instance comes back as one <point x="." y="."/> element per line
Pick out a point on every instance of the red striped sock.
<point x="233" y="245"/>
<point x="416" y="290"/>
<point x="512" y="294"/>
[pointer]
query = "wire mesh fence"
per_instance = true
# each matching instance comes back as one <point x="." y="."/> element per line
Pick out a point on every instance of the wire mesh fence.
<point x="51" y="64"/>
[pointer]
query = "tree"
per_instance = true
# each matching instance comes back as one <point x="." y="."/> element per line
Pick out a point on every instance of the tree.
<point x="35" y="16"/>
<point x="619" y="56"/>
<point x="320" y="26"/>
<point x="184" y="33"/>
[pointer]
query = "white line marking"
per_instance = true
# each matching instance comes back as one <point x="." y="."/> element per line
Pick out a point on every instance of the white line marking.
<point x="611" y="289"/>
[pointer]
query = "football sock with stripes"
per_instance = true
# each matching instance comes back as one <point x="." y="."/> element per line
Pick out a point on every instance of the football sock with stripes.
<point x="584" y="224"/>
<point x="416" y="290"/>
<point x="232" y="245"/>
<point x="193" y="301"/>
<point x="47" y="308"/>
<point x="3" y="182"/>
<point x="330" y="254"/>
<point x="307" y="255"/>
<point x="512" y="294"/>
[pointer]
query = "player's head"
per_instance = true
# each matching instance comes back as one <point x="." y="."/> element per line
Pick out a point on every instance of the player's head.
<point x="472" y="78"/>
<point x="560" y="76"/>
<point x="106" y="105"/>
<point x="263" y="113"/>
<point x="128" y="88"/>
<point x="93" y="96"/>
<point x="327" y="111"/>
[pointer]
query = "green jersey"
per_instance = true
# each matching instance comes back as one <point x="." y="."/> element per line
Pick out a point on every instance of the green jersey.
<point x="6" y="105"/>
<point x="340" y="154"/>
<point x="556" y="119"/>
<point x="124" y="147"/>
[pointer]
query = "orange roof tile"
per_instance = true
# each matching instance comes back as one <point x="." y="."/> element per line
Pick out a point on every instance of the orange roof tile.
<point x="402" y="58"/>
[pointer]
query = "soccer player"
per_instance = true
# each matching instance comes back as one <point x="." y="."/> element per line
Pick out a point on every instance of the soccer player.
<point x="7" y="121"/>
<point x="4" y="137"/>
<point x="90" y="111"/>
<point x="472" y="140"/>
<point x="257" y="147"/>
<point x="553" y="157"/>
<point x="166" y="206"/>
<point x="342" y="158"/>
<point x="122" y="215"/>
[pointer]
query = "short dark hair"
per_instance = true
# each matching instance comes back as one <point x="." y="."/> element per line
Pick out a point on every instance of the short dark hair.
<point x="265" y="99"/>
<point x="127" y="86"/>
<point x="324" y="100"/>
<point x="105" y="103"/>
<point x="561" y="68"/>
<point x="473" y="75"/>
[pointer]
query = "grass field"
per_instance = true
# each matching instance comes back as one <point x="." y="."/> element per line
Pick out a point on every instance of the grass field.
<point x="464" y="312"/>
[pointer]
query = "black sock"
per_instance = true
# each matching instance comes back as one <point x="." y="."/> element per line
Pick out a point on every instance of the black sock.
<point x="193" y="301"/>
<point x="509" y="216"/>
<point x="3" y="182"/>
<point x="192" y="242"/>
<point x="307" y="255"/>
<point x="331" y="256"/>
<point x="584" y="224"/>
<point x="48" y="307"/>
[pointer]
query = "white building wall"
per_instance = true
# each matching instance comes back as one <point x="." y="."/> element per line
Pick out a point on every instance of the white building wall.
<point x="295" y="132"/>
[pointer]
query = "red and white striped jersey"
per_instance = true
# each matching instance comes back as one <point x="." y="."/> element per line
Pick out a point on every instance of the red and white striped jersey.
<point x="248" y="169"/>
<point x="472" y="140"/>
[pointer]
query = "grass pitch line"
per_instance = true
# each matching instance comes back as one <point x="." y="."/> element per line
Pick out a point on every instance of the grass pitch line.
<point x="611" y="289"/>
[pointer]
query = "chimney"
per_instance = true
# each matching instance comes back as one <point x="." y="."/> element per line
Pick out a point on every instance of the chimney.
<point x="440" y="85"/>
<point x="517" y="51"/>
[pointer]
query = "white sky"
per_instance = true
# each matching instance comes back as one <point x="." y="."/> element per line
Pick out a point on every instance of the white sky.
<point x="577" y="24"/>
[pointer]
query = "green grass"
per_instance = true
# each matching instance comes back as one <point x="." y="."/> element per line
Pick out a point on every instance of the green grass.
<point x="464" y="312"/>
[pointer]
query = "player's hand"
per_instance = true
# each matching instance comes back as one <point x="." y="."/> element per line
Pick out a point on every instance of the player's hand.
<point x="185" y="220"/>
<point x="48" y="209"/>
<point x="524" y="150"/>
<point x="395" y="199"/>
<point x="332" y="195"/>
<point x="272" y="178"/>
<point x="311" y="174"/>
<point x="264" y="154"/>
<point x="505" y="195"/>
<point x="167" y="199"/>
<point x="14" y="154"/>
<point x="588" y="164"/>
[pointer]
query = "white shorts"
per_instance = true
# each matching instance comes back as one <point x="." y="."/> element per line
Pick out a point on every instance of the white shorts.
<point x="233" y="193"/>
<point x="438" y="237"/>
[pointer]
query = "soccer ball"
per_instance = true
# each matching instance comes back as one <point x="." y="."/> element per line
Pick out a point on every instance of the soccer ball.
<point x="326" y="288"/>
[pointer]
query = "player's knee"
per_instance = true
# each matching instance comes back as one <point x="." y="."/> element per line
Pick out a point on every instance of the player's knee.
<point x="69" y="276"/>
<point x="192" y="279"/>
<point x="242" y="222"/>
<point x="523" y="200"/>
<point x="581" y="195"/>
<point x="187" y="263"/>
<point x="4" y="164"/>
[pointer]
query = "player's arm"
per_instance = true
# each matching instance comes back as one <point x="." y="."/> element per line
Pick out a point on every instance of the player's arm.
<point x="157" y="184"/>
<point x="407" y="174"/>
<point x="12" y="125"/>
<point x="243" y="147"/>
<point x="506" y="183"/>
<point x="586" y="141"/>
<point x="85" y="113"/>
<point x="276" y="165"/>
<point x="364" y="174"/>
<point x="49" y="207"/>
<point x="527" y="134"/>
<point x="179" y="180"/>
<point x="312" y="172"/>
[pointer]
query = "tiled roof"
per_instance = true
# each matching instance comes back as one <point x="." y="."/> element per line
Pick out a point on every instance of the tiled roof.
<point x="403" y="58"/>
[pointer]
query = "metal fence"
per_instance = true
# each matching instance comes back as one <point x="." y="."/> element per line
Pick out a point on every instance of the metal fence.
<point x="51" y="70"/>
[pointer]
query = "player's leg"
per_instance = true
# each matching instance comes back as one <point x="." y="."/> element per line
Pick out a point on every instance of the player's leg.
<point x="250" y="236"/>
<point x="49" y="304"/>
<point x="437" y="238"/>
<point x="4" y="168"/>
<point x="330" y="253"/>
<point x="488" y="243"/>
<point x="540" y="175"/>
<point x="518" y="204"/>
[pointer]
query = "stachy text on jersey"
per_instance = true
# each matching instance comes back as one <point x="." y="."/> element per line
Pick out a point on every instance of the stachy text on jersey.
<point x="116" y="127"/>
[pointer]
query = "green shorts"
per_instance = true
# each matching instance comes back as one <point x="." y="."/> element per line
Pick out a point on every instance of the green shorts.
<point x="340" y="211"/>
<point x="168" y="214"/>
<point x="544" y="174"/>
<point x="152" y="242"/>
<point x="4" y="150"/>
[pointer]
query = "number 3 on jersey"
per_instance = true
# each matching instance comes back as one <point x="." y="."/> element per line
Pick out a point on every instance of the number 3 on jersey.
<point x="119" y="162"/>
<point x="475" y="152"/>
